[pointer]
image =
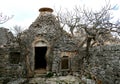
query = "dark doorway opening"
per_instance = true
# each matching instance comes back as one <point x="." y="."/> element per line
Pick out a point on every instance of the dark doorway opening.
<point x="65" y="63"/>
<point x="40" y="57"/>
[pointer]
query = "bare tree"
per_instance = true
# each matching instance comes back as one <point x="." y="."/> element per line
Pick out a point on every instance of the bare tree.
<point x="96" y="25"/>
<point x="4" y="18"/>
<point x="68" y="19"/>
<point x="16" y="30"/>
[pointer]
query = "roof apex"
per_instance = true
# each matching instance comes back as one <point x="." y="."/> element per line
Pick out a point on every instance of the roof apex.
<point x="45" y="9"/>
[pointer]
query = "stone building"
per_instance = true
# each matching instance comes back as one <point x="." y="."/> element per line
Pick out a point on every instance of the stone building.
<point x="48" y="43"/>
<point x="45" y="47"/>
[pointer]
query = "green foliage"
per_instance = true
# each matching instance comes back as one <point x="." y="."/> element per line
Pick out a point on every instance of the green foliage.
<point x="89" y="76"/>
<point x="50" y="74"/>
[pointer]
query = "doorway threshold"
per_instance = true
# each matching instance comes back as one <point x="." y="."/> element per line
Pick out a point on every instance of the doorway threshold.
<point x="40" y="71"/>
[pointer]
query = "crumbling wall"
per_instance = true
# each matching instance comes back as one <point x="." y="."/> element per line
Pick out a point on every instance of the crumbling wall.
<point x="9" y="69"/>
<point x="5" y="36"/>
<point x="10" y="65"/>
<point x="104" y="64"/>
<point x="3" y="61"/>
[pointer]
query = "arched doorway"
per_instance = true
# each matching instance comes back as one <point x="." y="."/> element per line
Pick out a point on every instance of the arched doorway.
<point x="40" y="61"/>
<point x="40" y="58"/>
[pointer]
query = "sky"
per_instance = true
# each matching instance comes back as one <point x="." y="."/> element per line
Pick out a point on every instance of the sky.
<point x="26" y="11"/>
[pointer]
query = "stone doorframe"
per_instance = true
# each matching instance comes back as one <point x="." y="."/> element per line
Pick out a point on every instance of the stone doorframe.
<point x="41" y="43"/>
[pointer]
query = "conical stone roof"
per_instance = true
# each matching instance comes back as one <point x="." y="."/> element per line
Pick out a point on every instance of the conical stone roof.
<point x="46" y="23"/>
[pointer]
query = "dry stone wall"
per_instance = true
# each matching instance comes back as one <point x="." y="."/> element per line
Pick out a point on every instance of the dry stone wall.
<point x="8" y="70"/>
<point x="104" y="63"/>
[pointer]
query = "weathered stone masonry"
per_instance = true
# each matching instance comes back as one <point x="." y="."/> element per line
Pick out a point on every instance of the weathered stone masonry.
<point x="105" y="63"/>
<point x="59" y="51"/>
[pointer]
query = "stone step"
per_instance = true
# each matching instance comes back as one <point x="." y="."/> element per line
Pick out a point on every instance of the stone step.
<point x="39" y="75"/>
